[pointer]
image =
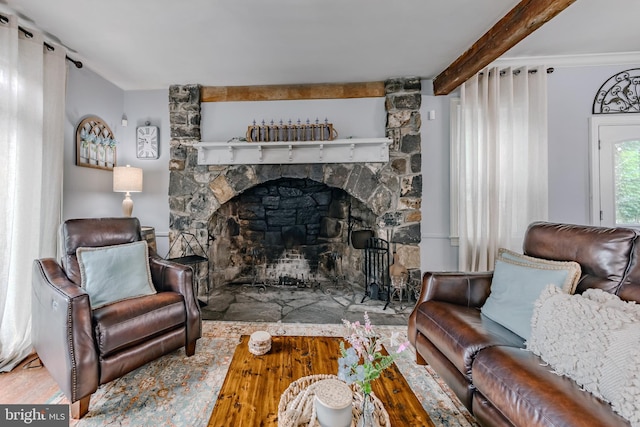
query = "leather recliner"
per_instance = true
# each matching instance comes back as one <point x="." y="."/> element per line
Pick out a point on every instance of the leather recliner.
<point x="82" y="347"/>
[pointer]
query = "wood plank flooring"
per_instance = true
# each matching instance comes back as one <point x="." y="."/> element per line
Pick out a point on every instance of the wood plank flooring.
<point x="25" y="385"/>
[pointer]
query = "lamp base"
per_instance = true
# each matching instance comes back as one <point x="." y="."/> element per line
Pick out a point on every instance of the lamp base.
<point x="127" y="205"/>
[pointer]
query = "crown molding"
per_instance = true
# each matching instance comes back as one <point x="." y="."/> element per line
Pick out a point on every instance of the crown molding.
<point x="586" y="60"/>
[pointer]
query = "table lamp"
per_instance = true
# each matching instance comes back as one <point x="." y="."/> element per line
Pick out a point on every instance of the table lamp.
<point x="127" y="180"/>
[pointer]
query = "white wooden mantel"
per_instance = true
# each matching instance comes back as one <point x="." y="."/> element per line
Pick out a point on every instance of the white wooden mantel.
<point x="356" y="150"/>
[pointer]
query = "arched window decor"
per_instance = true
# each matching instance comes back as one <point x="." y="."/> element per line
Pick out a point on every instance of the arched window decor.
<point x="619" y="94"/>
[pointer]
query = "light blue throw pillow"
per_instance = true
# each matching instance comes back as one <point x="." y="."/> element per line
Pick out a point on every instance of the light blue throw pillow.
<point x="114" y="273"/>
<point x="573" y="267"/>
<point x="517" y="285"/>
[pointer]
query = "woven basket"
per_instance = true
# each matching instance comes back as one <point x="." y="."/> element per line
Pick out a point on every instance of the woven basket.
<point x="297" y="407"/>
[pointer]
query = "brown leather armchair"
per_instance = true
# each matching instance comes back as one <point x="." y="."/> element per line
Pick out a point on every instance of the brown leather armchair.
<point x="84" y="348"/>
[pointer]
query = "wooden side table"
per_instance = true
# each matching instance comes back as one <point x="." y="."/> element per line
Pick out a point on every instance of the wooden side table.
<point x="149" y="234"/>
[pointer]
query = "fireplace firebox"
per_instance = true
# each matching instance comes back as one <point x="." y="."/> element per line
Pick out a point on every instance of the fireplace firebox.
<point x="288" y="232"/>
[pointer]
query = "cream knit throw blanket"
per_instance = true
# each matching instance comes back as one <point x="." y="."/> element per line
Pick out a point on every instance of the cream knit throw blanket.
<point x="593" y="338"/>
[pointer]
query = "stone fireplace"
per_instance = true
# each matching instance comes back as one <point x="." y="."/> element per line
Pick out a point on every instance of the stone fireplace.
<point x="246" y="217"/>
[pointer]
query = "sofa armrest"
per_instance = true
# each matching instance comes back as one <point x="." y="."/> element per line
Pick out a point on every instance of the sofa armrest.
<point x="466" y="289"/>
<point x="62" y="330"/>
<point x="172" y="276"/>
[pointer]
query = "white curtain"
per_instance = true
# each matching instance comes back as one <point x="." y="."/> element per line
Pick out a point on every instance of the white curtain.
<point x="32" y="91"/>
<point x="502" y="162"/>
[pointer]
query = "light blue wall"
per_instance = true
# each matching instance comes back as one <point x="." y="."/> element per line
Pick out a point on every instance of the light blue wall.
<point x="152" y="205"/>
<point x="87" y="192"/>
<point x="436" y="251"/>
<point x="571" y="92"/>
<point x="358" y="118"/>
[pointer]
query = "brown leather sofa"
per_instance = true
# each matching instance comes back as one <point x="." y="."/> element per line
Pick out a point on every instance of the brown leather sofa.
<point x="485" y="364"/>
<point x="84" y="348"/>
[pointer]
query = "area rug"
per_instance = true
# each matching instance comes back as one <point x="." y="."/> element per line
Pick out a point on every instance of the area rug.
<point x="181" y="391"/>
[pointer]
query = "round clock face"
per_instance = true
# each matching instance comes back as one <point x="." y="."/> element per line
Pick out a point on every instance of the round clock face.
<point x="147" y="142"/>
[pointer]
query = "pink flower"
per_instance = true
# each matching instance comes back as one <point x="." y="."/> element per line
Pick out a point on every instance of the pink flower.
<point x="403" y="347"/>
<point x="366" y="344"/>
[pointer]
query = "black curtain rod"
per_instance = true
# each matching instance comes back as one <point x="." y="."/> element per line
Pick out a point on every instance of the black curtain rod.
<point x="517" y="71"/>
<point x="28" y="34"/>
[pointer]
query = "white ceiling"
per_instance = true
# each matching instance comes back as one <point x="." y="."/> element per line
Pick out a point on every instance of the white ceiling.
<point x="151" y="44"/>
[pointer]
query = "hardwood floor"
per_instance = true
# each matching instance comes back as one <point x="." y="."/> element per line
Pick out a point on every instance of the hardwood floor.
<point x="29" y="382"/>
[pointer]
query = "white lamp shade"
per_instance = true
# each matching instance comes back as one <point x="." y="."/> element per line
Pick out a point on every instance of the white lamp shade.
<point x="127" y="179"/>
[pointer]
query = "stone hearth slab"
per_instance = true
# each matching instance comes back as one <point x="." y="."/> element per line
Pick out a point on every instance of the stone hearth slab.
<point x="300" y="305"/>
<point x="254" y="311"/>
<point x="321" y="312"/>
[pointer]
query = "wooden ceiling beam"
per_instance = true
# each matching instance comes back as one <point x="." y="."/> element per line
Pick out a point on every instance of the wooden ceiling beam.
<point x="522" y="20"/>
<point x="288" y="92"/>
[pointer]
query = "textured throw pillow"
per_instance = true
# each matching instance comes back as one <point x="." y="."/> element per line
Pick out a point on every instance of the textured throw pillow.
<point x="593" y="338"/>
<point x="516" y="285"/>
<point x="115" y="273"/>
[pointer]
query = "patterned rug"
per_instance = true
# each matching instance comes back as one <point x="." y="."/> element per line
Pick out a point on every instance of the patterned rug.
<point x="181" y="391"/>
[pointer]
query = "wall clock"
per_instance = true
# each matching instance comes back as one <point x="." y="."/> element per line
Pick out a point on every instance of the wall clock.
<point x="147" y="142"/>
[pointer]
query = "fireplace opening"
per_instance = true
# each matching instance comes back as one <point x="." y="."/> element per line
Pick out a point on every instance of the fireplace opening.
<point x="288" y="232"/>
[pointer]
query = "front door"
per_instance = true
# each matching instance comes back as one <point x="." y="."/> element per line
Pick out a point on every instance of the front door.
<point x="619" y="172"/>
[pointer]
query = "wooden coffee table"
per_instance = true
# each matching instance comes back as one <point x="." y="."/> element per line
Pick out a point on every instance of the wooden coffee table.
<point x="253" y="385"/>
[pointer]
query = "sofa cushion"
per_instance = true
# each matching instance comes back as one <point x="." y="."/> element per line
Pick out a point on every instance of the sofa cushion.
<point x="517" y="284"/>
<point x="460" y="332"/>
<point x="528" y="393"/>
<point x="114" y="273"/>
<point x="593" y="338"/>
<point x="127" y="323"/>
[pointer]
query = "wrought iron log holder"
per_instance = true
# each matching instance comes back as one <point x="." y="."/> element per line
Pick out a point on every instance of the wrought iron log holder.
<point x="193" y="255"/>
<point x="260" y="277"/>
<point x="335" y="280"/>
<point x="376" y="267"/>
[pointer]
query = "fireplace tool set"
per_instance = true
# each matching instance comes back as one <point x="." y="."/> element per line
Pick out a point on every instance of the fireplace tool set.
<point x="376" y="267"/>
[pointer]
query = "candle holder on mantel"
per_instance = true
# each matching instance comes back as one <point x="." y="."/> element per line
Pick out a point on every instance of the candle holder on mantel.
<point x="291" y="132"/>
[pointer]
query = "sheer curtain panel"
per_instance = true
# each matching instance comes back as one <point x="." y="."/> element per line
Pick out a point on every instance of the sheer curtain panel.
<point x="502" y="162"/>
<point x="32" y="90"/>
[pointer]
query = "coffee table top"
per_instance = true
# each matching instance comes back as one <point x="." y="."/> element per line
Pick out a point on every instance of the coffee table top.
<point x="253" y="385"/>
